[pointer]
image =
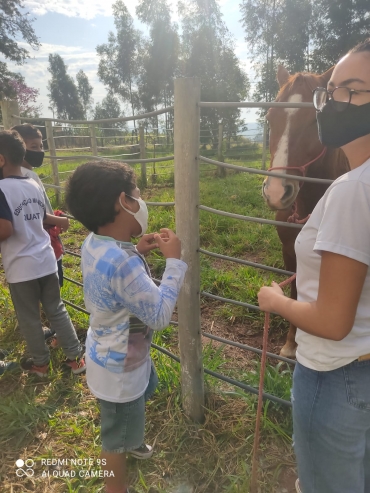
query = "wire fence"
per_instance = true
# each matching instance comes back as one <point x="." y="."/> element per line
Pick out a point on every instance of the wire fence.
<point x="148" y="146"/>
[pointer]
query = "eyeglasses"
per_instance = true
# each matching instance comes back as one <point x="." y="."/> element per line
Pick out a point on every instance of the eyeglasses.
<point x="340" y="96"/>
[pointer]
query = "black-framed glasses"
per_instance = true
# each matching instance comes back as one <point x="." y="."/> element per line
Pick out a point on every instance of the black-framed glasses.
<point x="340" y="96"/>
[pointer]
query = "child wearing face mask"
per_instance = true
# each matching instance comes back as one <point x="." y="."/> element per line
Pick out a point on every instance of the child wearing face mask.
<point x="29" y="262"/>
<point x="125" y="305"/>
<point x="33" y="159"/>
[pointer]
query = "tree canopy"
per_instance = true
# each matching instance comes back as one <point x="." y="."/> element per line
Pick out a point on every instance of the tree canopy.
<point x="301" y="34"/>
<point x="84" y="89"/>
<point x="63" y="93"/>
<point x="15" y="25"/>
<point x="119" y="64"/>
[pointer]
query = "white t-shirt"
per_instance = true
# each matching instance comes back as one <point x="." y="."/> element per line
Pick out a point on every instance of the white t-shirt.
<point x="31" y="174"/>
<point x="27" y="254"/>
<point x="340" y="223"/>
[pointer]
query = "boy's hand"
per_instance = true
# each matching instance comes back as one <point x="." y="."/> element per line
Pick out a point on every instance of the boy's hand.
<point x="61" y="222"/>
<point x="168" y="243"/>
<point x="146" y="244"/>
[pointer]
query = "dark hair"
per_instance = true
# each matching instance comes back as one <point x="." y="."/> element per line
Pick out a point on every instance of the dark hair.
<point x="93" y="189"/>
<point x="361" y="47"/>
<point x="27" y="131"/>
<point x="12" y="147"/>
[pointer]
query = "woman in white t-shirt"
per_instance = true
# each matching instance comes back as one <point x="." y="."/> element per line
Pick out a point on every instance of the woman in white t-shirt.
<point x="331" y="383"/>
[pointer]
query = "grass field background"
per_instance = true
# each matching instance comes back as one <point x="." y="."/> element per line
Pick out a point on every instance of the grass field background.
<point x="59" y="418"/>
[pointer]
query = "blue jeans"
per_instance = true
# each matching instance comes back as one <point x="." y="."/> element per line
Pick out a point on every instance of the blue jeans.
<point x="331" y="420"/>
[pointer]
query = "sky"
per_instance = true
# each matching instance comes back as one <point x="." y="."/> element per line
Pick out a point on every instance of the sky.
<point x="73" y="29"/>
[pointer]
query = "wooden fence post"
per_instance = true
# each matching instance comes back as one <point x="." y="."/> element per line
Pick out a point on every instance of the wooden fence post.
<point x="186" y="132"/>
<point x="94" y="144"/>
<point x="264" y="143"/>
<point x="53" y="154"/>
<point x="9" y="108"/>
<point x="221" y="171"/>
<point x="142" y="156"/>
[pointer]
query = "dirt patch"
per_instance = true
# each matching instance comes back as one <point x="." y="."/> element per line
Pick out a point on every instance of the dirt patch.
<point x="247" y="332"/>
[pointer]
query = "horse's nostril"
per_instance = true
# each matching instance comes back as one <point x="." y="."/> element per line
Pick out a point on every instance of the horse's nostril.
<point x="289" y="191"/>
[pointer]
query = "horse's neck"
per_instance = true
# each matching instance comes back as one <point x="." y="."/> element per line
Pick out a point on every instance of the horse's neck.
<point x="333" y="165"/>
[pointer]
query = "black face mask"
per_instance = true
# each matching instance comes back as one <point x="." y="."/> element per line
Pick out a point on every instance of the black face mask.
<point x="337" y="128"/>
<point x="34" y="158"/>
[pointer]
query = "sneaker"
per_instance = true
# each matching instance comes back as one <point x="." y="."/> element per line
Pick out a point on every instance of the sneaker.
<point x="28" y="365"/>
<point x="143" y="452"/>
<point x="7" y="366"/>
<point x="297" y="487"/>
<point x="76" y="365"/>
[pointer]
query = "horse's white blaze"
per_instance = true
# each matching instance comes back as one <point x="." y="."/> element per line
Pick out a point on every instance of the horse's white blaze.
<point x="274" y="187"/>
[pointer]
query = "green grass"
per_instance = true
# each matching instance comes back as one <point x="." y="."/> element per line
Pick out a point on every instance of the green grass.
<point x="59" y="418"/>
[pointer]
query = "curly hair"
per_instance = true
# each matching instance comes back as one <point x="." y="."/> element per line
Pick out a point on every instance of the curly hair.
<point x="93" y="189"/>
<point x="12" y="147"/>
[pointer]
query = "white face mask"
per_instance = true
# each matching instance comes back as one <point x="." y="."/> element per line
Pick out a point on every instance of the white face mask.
<point x="141" y="215"/>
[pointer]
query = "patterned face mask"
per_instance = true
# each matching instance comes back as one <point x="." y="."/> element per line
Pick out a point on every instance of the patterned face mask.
<point x="141" y="215"/>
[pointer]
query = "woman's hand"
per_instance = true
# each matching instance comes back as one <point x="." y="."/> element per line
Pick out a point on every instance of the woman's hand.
<point x="146" y="244"/>
<point x="268" y="297"/>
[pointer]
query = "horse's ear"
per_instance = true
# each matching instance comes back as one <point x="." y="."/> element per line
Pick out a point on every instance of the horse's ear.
<point x="326" y="75"/>
<point x="282" y="75"/>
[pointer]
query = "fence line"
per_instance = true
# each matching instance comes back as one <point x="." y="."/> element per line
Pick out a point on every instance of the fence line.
<point x="228" y="342"/>
<point x="236" y="383"/>
<point x="250" y="219"/>
<point x="244" y="104"/>
<point x="142" y="116"/>
<point x="232" y="302"/>
<point x="257" y="171"/>
<point x="110" y="158"/>
<point x="247" y="262"/>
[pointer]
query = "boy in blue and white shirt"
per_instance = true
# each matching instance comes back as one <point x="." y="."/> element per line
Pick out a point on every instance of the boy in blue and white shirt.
<point x="124" y="303"/>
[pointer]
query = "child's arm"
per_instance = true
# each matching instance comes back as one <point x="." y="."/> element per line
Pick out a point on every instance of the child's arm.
<point x="6" y="229"/>
<point x="133" y="287"/>
<point x="61" y="222"/>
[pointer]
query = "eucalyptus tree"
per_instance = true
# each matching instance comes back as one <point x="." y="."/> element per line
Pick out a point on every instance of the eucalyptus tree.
<point x="208" y="52"/>
<point x="84" y="89"/>
<point x="120" y="58"/>
<point x="63" y="93"/>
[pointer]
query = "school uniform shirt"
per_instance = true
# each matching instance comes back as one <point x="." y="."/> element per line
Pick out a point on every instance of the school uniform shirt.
<point x="340" y="223"/>
<point x="27" y="254"/>
<point x="53" y="231"/>
<point x="125" y="307"/>
<point x="31" y="174"/>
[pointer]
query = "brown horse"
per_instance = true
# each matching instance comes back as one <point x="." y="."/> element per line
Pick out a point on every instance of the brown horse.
<point x="294" y="143"/>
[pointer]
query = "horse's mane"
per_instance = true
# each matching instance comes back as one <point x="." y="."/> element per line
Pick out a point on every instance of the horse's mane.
<point x="306" y="79"/>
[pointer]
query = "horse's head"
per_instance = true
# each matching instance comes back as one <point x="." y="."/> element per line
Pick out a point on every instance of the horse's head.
<point x="294" y="139"/>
